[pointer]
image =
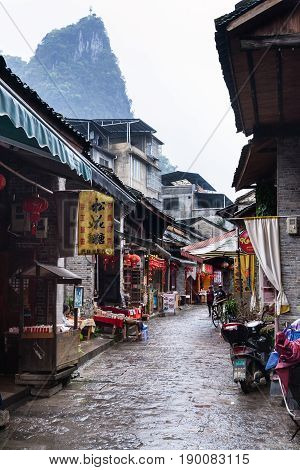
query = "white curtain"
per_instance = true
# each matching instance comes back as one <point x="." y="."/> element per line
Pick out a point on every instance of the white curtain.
<point x="264" y="236"/>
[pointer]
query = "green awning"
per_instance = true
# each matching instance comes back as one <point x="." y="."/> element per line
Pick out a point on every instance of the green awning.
<point x="23" y="118"/>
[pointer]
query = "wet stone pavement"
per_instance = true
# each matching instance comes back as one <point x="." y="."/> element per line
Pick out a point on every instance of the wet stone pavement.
<point x="174" y="391"/>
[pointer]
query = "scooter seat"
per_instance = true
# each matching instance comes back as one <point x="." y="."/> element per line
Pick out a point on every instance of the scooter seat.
<point x="254" y="324"/>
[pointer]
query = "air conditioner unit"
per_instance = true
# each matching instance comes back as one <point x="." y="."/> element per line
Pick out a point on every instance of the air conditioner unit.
<point x="42" y="228"/>
<point x="20" y="221"/>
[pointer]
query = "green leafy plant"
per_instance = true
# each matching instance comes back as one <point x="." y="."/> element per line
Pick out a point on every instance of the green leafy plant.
<point x="97" y="332"/>
<point x="231" y="308"/>
<point x="70" y="302"/>
<point x="266" y="199"/>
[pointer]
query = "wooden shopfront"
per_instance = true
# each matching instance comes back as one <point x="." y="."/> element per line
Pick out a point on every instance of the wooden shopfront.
<point x="134" y="282"/>
<point x="157" y="282"/>
<point x="47" y="347"/>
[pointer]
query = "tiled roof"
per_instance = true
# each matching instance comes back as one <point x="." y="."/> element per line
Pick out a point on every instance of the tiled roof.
<point x="210" y="241"/>
<point x="240" y="8"/>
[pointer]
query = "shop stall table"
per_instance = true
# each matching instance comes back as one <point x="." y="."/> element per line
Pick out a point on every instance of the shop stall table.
<point x="121" y="322"/>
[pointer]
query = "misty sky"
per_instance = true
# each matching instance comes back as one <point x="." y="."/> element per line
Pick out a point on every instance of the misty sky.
<point x="167" y="55"/>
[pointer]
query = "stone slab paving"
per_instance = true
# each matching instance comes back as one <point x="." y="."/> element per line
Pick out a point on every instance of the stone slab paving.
<point x="174" y="391"/>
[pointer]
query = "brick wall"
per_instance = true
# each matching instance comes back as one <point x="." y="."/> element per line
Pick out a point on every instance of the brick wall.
<point x="84" y="267"/>
<point x="288" y="190"/>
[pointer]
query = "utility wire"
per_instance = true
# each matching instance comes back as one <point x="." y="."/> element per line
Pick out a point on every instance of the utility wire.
<point x="39" y="61"/>
<point x="236" y="97"/>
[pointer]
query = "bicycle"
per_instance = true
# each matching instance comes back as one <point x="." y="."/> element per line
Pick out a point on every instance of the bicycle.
<point x="219" y="313"/>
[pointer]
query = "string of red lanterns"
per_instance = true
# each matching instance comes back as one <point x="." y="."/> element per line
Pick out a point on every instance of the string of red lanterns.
<point x="35" y="205"/>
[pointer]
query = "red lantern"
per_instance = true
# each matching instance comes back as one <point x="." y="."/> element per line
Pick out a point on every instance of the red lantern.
<point x="127" y="260"/>
<point x="35" y="205"/>
<point x="132" y="260"/>
<point x="2" y="182"/>
<point x="135" y="260"/>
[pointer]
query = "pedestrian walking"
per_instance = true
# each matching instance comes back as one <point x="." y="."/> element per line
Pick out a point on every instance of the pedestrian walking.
<point x="210" y="299"/>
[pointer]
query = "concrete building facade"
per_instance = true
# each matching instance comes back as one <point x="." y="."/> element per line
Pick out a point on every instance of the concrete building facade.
<point x="188" y="195"/>
<point x="130" y="148"/>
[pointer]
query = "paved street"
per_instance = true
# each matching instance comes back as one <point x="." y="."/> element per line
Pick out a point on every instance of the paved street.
<point x="173" y="392"/>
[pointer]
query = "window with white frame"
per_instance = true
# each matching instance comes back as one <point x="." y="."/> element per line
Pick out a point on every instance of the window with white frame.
<point x="136" y="169"/>
<point x="153" y="179"/>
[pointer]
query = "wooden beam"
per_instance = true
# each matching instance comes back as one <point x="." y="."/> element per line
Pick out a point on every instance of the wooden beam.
<point x="249" y="15"/>
<point x="279" y="85"/>
<point x="253" y="86"/>
<point x="239" y="183"/>
<point x="263" y="42"/>
<point x="236" y="99"/>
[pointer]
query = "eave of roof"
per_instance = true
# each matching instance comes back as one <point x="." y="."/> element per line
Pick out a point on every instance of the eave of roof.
<point x="224" y="51"/>
<point x="204" y="219"/>
<point x="241" y="165"/>
<point x="258" y="162"/>
<point x="188" y="229"/>
<point x="249" y="210"/>
<point x="33" y="99"/>
<point x="240" y="8"/>
<point x="118" y="126"/>
<point x="191" y="177"/>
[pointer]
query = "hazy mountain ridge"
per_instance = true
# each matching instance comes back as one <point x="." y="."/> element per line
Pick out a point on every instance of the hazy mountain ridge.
<point x="75" y="71"/>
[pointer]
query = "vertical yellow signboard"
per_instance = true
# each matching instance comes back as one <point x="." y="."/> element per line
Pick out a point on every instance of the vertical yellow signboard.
<point x="95" y="224"/>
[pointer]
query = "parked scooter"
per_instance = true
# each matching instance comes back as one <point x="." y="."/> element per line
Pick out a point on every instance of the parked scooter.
<point x="249" y="352"/>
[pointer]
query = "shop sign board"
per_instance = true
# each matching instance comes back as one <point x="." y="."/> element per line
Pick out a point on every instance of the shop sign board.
<point x="169" y="302"/>
<point x="95" y="224"/>
<point x="218" y="277"/>
<point x="245" y="243"/>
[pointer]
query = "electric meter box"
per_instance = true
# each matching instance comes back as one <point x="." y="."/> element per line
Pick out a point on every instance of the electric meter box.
<point x="292" y="226"/>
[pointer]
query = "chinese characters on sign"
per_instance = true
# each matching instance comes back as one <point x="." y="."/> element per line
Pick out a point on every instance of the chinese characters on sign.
<point x="245" y="243"/>
<point x="169" y="302"/>
<point x="95" y="224"/>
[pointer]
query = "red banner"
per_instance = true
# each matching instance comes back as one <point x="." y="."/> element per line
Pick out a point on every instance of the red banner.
<point x="245" y="243"/>
<point x="157" y="263"/>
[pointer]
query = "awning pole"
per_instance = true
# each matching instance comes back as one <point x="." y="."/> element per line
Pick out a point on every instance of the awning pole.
<point x="25" y="179"/>
<point x="239" y="266"/>
<point x="122" y="244"/>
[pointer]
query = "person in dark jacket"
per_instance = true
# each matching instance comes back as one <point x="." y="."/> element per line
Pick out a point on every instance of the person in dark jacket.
<point x="210" y="295"/>
<point x="220" y="294"/>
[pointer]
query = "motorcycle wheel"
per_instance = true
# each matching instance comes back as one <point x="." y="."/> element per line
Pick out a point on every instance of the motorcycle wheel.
<point x="245" y="386"/>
